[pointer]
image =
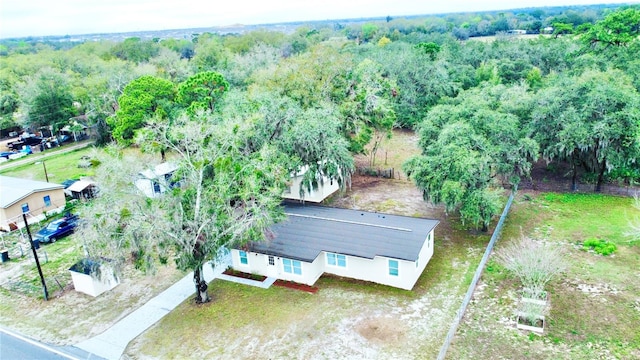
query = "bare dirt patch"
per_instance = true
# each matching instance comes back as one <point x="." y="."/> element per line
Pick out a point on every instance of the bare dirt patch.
<point x="382" y="330"/>
<point x="400" y="197"/>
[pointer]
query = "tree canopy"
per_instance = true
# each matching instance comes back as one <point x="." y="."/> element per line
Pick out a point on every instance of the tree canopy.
<point x="591" y="121"/>
<point x="220" y="196"/>
<point x="143" y="98"/>
<point x="48" y="100"/>
<point x="469" y="147"/>
<point x="202" y="91"/>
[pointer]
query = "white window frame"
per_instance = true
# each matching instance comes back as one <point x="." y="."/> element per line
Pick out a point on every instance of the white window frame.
<point x="396" y="267"/>
<point x="335" y="257"/>
<point x="289" y="266"/>
<point x="243" y="255"/>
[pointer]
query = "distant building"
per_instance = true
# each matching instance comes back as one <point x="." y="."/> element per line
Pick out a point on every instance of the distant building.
<point x="517" y="32"/>
<point x="36" y="198"/>
<point x="547" y="30"/>
<point x="317" y="194"/>
<point x="154" y="182"/>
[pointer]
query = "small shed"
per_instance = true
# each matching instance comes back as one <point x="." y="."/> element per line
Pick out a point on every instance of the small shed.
<point x="82" y="189"/>
<point x="324" y="188"/>
<point x="92" y="278"/>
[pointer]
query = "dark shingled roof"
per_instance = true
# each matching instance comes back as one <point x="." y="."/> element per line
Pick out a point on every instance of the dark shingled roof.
<point x="309" y="230"/>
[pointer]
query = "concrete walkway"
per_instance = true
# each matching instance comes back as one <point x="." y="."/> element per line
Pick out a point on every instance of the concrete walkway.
<point x="261" y="284"/>
<point x="112" y="343"/>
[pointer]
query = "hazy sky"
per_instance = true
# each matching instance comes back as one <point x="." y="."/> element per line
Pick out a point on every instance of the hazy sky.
<point x="68" y="17"/>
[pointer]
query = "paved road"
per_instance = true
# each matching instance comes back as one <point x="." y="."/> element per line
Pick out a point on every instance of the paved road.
<point x="14" y="346"/>
<point x="39" y="156"/>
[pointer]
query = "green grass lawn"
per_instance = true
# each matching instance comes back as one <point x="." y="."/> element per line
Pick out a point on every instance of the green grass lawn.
<point x="59" y="167"/>
<point x="595" y="305"/>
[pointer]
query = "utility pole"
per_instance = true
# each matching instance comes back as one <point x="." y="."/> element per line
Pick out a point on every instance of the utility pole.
<point x="45" y="171"/>
<point x="35" y="256"/>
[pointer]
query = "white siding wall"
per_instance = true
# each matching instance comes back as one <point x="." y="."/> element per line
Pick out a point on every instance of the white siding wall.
<point x="93" y="286"/>
<point x="376" y="270"/>
<point x="315" y="195"/>
<point x="146" y="186"/>
<point x="259" y="264"/>
<point x="425" y="255"/>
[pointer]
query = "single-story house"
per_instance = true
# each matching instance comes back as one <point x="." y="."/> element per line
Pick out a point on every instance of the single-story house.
<point x="313" y="240"/>
<point x="156" y="181"/>
<point x="324" y="189"/>
<point x="36" y="198"/>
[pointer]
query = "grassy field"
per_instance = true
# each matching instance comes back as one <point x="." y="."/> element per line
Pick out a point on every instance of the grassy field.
<point x="59" y="167"/>
<point x="595" y="305"/>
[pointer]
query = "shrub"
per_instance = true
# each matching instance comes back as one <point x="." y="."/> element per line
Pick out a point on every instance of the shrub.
<point x="533" y="262"/>
<point x="602" y="247"/>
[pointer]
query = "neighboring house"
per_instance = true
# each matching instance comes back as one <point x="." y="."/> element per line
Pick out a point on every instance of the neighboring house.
<point x="77" y="128"/>
<point x="386" y="249"/>
<point x="156" y="181"/>
<point x="33" y="197"/>
<point x="322" y="191"/>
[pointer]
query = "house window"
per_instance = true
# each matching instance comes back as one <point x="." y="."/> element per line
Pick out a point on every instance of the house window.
<point x="25" y="208"/>
<point x="272" y="261"/>
<point x="292" y="266"/>
<point x="336" y="260"/>
<point x="47" y="201"/>
<point x="156" y="187"/>
<point x="393" y="267"/>
<point x="243" y="258"/>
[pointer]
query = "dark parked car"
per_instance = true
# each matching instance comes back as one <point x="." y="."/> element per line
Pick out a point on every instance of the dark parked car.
<point x="28" y="140"/>
<point x="57" y="229"/>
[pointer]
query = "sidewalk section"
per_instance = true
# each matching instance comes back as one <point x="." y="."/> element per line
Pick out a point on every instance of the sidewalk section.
<point x="112" y="343"/>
